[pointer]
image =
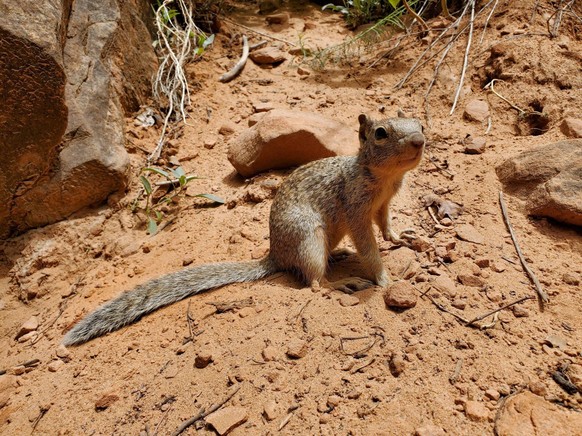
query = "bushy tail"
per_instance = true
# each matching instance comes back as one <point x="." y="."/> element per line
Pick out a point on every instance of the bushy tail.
<point x="143" y="299"/>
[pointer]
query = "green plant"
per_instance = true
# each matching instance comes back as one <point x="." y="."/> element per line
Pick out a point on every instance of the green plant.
<point x="156" y="195"/>
<point x="362" y="41"/>
<point x="358" y="12"/>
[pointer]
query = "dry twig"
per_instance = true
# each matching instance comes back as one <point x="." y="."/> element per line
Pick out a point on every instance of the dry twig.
<point x="204" y="413"/>
<point x="542" y="294"/>
<point x="481" y="317"/>
<point x="465" y="58"/>
<point x="266" y="35"/>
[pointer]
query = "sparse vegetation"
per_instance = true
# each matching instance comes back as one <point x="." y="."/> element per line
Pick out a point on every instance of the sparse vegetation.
<point x="161" y="188"/>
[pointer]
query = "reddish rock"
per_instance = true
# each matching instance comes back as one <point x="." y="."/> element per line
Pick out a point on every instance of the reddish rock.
<point x="348" y="300"/>
<point x="528" y="414"/>
<point x="203" y="359"/>
<point x="296" y="348"/>
<point x="572" y="127"/>
<point x="549" y="179"/>
<point x="268" y="56"/>
<point x="471" y="280"/>
<point x="29" y="326"/>
<point x="476" y="110"/>
<point x="466" y="232"/>
<point x="476" y="411"/>
<point x="284" y="138"/>
<point x="429" y="430"/>
<point x="105" y="401"/>
<point x="400" y="295"/>
<point x="475" y="145"/>
<point x="227" y="418"/>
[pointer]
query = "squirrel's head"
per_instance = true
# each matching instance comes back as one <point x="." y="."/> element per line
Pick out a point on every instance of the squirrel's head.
<point x="396" y="144"/>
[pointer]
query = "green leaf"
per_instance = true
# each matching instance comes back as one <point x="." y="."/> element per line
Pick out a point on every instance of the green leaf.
<point x="208" y="41"/>
<point x="146" y="184"/>
<point x="211" y="197"/>
<point x="183" y="180"/>
<point x="159" y="216"/>
<point x="394" y="3"/>
<point x="188" y="178"/>
<point x="152" y="226"/>
<point x="178" y="172"/>
<point x="158" y="171"/>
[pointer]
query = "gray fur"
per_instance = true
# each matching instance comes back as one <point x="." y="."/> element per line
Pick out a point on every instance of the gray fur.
<point x="314" y="209"/>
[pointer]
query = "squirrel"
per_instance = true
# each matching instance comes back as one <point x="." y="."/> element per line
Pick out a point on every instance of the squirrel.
<point x="315" y="207"/>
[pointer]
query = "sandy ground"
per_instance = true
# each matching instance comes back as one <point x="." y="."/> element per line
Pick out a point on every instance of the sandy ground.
<point x="395" y="376"/>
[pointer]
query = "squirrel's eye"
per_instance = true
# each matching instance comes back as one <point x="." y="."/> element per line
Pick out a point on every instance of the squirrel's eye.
<point x="380" y="133"/>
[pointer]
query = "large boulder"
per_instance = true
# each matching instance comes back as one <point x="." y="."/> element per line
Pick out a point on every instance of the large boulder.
<point x="549" y="178"/>
<point x="284" y="138"/>
<point x="61" y="121"/>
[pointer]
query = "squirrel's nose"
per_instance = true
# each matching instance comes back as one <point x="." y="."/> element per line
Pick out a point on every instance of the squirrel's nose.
<point x="417" y="139"/>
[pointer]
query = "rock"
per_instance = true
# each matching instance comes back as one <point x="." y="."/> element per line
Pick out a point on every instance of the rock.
<point x="429" y="430"/>
<point x="466" y="232"/>
<point x="261" y="106"/>
<point x="63" y="352"/>
<point x="571" y="279"/>
<point x="203" y="359"/>
<point x="482" y="262"/>
<point x="30" y="336"/>
<point x="347" y="300"/>
<point x="209" y="143"/>
<point x="528" y="414"/>
<point x="281" y="19"/>
<point x="296" y="348"/>
<point x="574" y="372"/>
<point x="270" y="353"/>
<point x="445" y="285"/>
<point x="227" y="129"/>
<point x="476" y="110"/>
<point x="334" y="400"/>
<point x="29" y="326"/>
<point x="270" y="410"/>
<point x="475" y="145"/>
<point x="572" y="127"/>
<point x="255" y="118"/>
<point x="459" y="304"/>
<point x="420" y="244"/>
<point x="549" y="179"/>
<point x="105" y="401"/>
<point x="402" y="263"/>
<point x="538" y="387"/>
<point x="284" y="138"/>
<point x="227" y="418"/>
<point x="400" y="295"/>
<point x="492" y="394"/>
<point x="471" y="280"/>
<point x="396" y="364"/>
<point x="556" y="341"/>
<point x="268" y="56"/>
<point x="302" y="71"/>
<point x="16" y="370"/>
<point x="69" y="78"/>
<point x="519" y="311"/>
<point x="476" y="411"/>
<point x="55" y="365"/>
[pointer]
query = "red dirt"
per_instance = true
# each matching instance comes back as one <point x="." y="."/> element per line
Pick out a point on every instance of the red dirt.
<point x="143" y="378"/>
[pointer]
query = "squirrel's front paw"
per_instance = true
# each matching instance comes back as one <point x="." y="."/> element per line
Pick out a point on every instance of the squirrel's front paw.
<point x="404" y="238"/>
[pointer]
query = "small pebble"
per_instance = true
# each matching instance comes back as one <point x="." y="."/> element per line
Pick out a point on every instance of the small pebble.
<point x="55" y="365"/>
<point x="397" y="364"/>
<point x="347" y="300"/>
<point x="270" y="410"/>
<point x="203" y="359"/>
<point x="476" y="411"/>
<point x="296" y="348"/>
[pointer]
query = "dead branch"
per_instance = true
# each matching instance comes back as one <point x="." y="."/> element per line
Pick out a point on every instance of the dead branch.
<point x="266" y="35"/>
<point x="227" y="77"/>
<point x="513" y="303"/>
<point x="541" y="293"/>
<point x="465" y="58"/>
<point x="415" y="15"/>
<point x="203" y="413"/>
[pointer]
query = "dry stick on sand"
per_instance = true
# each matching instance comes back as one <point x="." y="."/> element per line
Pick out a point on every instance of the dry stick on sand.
<point x="203" y="414"/>
<point x="415" y="15"/>
<point x="227" y="77"/>
<point x="543" y="296"/>
<point x="465" y="58"/>
<point x="493" y="312"/>
<point x="266" y="35"/>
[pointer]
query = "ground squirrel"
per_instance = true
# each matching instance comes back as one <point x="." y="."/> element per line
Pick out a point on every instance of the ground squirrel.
<point x="316" y="206"/>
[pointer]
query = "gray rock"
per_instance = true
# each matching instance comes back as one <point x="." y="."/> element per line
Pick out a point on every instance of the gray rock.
<point x="284" y="138"/>
<point x="68" y="75"/>
<point x="549" y="178"/>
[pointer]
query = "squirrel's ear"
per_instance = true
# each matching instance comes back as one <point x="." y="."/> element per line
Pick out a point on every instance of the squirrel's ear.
<point x="364" y="122"/>
<point x="401" y="114"/>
